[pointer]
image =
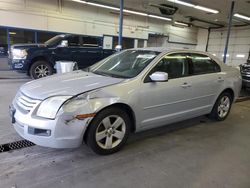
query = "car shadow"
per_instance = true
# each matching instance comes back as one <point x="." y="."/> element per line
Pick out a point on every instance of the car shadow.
<point x="166" y="129"/>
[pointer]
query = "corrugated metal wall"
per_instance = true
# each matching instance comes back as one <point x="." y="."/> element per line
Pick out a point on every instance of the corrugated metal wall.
<point x="239" y="44"/>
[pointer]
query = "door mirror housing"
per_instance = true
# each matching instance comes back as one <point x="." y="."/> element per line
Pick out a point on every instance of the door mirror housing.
<point x="159" y="77"/>
<point x="63" y="43"/>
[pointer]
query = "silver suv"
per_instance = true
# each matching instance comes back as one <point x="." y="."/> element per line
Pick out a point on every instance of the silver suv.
<point x="130" y="91"/>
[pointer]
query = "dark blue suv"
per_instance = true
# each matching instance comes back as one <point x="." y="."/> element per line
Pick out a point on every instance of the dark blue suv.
<point x="38" y="60"/>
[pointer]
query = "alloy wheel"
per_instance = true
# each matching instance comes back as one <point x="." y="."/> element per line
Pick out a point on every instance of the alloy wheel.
<point x="41" y="71"/>
<point x="224" y="106"/>
<point x="110" y="132"/>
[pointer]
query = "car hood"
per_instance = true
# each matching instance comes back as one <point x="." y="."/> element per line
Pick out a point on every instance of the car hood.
<point x="66" y="84"/>
<point x="25" y="46"/>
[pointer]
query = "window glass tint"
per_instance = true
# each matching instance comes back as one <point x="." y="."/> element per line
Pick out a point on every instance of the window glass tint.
<point x="44" y="36"/>
<point x="3" y="42"/>
<point x="73" y="41"/>
<point x="21" y="36"/>
<point x="202" y="64"/>
<point x="90" y="42"/>
<point x="174" y="64"/>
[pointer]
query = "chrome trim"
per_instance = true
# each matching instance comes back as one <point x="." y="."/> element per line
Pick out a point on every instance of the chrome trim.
<point x="245" y="80"/>
<point x="26" y="103"/>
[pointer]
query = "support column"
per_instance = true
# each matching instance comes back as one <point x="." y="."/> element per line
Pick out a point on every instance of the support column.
<point x="120" y="23"/>
<point x="8" y="38"/>
<point x="228" y="31"/>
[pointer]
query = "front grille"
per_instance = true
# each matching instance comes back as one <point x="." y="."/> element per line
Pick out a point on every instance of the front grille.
<point x="245" y="77"/>
<point x="245" y="68"/>
<point x="26" y="103"/>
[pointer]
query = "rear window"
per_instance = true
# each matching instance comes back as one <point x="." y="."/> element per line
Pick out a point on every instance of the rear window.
<point x="202" y="64"/>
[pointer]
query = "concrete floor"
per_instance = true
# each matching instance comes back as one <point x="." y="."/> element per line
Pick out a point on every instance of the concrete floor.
<point x="194" y="153"/>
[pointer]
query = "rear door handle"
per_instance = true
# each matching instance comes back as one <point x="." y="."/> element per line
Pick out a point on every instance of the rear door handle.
<point x="185" y="85"/>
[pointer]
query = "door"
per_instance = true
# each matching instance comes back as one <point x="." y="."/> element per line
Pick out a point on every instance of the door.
<point x="170" y="101"/>
<point x="89" y="52"/>
<point x="69" y="52"/>
<point x="207" y="81"/>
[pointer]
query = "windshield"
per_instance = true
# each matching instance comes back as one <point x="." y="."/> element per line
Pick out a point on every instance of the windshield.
<point x="54" y="40"/>
<point x="126" y="64"/>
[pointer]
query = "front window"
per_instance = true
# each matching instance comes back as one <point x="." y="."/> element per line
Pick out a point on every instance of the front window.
<point x="126" y="64"/>
<point x="55" y="40"/>
<point x="175" y="65"/>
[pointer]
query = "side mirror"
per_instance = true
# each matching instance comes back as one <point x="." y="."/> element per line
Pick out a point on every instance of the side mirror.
<point x="63" y="43"/>
<point x="159" y="76"/>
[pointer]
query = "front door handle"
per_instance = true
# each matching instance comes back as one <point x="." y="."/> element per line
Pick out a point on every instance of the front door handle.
<point x="220" y="79"/>
<point x="185" y="85"/>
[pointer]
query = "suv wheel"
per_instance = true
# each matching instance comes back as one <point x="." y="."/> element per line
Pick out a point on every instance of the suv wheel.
<point x="108" y="132"/>
<point x="40" y="69"/>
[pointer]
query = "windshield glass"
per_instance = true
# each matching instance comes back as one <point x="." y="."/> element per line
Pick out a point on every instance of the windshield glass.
<point x="54" y="40"/>
<point x="126" y="64"/>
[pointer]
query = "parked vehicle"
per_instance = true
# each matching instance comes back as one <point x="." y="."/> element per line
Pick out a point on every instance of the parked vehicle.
<point x="38" y="60"/>
<point x="130" y="91"/>
<point x="245" y="73"/>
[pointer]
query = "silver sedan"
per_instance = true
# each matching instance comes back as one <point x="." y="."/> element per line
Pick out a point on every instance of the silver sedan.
<point x="130" y="91"/>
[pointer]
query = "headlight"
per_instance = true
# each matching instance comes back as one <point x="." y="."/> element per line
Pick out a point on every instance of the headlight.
<point x="19" y="53"/>
<point x="49" y="107"/>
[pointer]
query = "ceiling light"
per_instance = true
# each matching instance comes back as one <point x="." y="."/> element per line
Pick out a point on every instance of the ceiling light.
<point x="159" y="17"/>
<point x="125" y="10"/>
<point x="182" y="3"/>
<point x="240" y="55"/>
<point x="226" y="55"/>
<point x="242" y="16"/>
<point x="195" y="6"/>
<point x="12" y="33"/>
<point x="206" y="9"/>
<point x="181" y="23"/>
<point x="102" y="6"/>
<point x="214" y="54"/>
<point x="79" y="1"/>
<point x="134" y="12"/>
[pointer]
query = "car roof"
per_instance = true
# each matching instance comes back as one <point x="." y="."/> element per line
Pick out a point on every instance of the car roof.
<point x="165" y="49"/>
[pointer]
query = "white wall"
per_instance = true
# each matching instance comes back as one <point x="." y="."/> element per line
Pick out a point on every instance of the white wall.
<point x="78" y="18"/>
<point x="202" y="38"/>
<point x="239" y="43"/>
<point x="163" y="41"/>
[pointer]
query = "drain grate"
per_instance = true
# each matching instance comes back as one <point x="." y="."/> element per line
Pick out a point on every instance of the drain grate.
<point x="15" y="145"/>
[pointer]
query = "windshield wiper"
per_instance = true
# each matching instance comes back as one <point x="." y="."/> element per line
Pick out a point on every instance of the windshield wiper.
<point x="101" y="73"/>
<point x="109" y="74"/>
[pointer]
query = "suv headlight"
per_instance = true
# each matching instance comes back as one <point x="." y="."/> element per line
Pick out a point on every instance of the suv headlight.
<point x="19" y="53"/>
<point x="50" y="106"/>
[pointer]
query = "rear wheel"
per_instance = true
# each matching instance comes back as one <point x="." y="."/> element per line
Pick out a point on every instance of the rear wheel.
<point x="108" y="132"/>
<point x="222" y="107"/>
<point x="40" y="69"/>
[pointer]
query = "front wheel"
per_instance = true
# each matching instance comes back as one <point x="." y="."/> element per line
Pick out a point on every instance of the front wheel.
<point x="40" y="69"/>
<point x="109" y="130"/>
<point x="222" y="107"/>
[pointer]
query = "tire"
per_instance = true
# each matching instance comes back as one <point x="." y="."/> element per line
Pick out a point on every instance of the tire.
<point x="222" y="107"/>
<point x="109" y="131"/>
<point x="40" y="69"/>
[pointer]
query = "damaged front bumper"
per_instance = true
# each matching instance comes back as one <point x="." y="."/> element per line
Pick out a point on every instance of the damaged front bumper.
<point x="64" y="131"/>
